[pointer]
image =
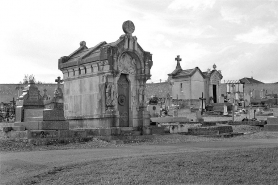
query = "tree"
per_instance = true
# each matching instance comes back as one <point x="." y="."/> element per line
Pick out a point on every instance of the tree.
<point x="27" y="78"/>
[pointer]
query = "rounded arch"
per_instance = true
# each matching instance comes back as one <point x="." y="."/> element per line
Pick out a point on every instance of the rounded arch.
<point x="139" y="63"/>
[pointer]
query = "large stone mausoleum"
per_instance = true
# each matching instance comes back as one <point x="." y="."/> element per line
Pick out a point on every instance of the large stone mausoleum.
<point x="104" y="86"/>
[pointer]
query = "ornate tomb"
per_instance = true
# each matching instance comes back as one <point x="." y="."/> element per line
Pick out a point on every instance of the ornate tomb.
<point x="104" y="86"/>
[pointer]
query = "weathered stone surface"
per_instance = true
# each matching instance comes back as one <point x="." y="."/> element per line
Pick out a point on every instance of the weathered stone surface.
<point x="32" y="125"/>
<point x="79" y="133"/>
<point x="104" y="85"/>
<point x="53" y="115"/>
<point x="44" y="125"/>
<point x="54" y="125"/>
<point x="18" y="134"/>
<point x="43" y="134"/>
<point x="19" y="114"/>
<point x="18" y="128"/>
<point x="272" y="121"/>
<point x="33" y="115"/>
<point x="210" y="130"/>
<point x="105" y="132"/>
<point x="271" y="127"/>
<point x="7" y="129"/>
<point x="170" y="119"/>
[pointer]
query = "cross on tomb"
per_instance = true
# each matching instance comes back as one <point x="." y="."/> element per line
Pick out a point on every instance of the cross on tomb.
<point x="178" y="59"/>
<point x="59" y="81"/>
<point x="202" y="98"/>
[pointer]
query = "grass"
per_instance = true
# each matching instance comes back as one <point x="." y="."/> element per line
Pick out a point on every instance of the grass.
<point x="241" y="166"/>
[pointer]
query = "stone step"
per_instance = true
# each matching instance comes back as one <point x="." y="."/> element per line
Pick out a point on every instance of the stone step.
<point x="131" y="133"/>
<point x="269" y="127"/>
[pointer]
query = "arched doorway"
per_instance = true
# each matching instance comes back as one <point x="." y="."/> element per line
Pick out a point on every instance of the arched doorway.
<point x="123" y="101"/>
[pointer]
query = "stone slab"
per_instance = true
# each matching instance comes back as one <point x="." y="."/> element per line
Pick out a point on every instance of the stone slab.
<point x="92" y="132"/>
<point x="44" y="125"/>
<point x="33" y="134"/>
<point x="54" y="125"/>
<point x="18" y="128"/>
<point x="271" y="127"/>
<point x="17" y="134"/>
<point x="33" y="115"/>
<point x="210" y="130"/>
<point x="53" y="115"/>
<point x="32" y="125"/>
<point x="7" y="128"/>
<point x="79" y="133"/>
<point x="19" y="114"/>
<point x="170" y="119"/>
<point x="272" y="120"/>
<point x="105" y="132"/>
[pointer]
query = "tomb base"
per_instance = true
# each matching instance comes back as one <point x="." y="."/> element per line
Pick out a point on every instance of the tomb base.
<point x="272" y="124"/>
<point x="44" y="125"/>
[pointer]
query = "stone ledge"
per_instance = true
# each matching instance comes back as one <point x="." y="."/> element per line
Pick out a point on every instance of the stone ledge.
<point x="271" y="127"/>
<point x="44" y="125"/>
<point x="213" y="130"/>
<point x="272" y="120"/>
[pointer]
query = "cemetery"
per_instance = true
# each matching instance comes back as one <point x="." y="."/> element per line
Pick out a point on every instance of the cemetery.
<point x="104" y="94"/>
<point x="103" y="101"/>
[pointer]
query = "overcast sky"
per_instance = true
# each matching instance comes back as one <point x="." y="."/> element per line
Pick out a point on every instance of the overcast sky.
<point x="240" y="37"/>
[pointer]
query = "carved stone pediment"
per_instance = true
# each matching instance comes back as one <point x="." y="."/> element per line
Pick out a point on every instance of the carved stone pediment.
<point x="127" y="64"/>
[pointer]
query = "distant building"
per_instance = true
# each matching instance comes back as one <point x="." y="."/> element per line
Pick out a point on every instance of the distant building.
<point x="251" y="80"/>
<point x="188" y="85"/>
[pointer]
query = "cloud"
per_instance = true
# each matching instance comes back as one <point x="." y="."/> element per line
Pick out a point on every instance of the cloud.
<point x="190" y="4"/>
<point x="232" y="15"/>
<point x="258" y="36"/>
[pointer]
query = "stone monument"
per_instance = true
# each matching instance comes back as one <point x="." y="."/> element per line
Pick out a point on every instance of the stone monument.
<point x="104" y="86"/>
<point x="31" y="112"/>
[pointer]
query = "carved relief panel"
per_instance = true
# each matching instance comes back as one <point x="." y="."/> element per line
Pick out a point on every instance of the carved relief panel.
<point x="127" y="64"/>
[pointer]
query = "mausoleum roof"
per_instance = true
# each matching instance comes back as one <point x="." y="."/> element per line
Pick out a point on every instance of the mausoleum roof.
<point x="246" y="80"/>
<point x="185" y="73"/>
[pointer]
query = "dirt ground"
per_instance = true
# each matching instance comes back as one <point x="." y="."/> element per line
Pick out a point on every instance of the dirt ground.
<point x="31" y="164"/>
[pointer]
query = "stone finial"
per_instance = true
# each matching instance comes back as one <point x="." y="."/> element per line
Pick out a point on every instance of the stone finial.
<point x="82" y="43"/>
<point x="178" y="59"/>
<point x="208" y="70"/>
<point x="214" y="66"/>
<point x="128" y="27"/>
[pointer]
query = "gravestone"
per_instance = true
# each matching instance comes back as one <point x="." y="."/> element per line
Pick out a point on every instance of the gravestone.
<point x="225" y="111"/>
<point x="29" y="106"/>
<point x="272" y="124"/>
<point x="104" y="85"/>
<point x="34" y="116"/>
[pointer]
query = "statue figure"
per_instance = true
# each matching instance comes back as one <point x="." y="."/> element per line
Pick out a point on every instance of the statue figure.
<point x="110" y="94"/>
<point x="141" y="94"/>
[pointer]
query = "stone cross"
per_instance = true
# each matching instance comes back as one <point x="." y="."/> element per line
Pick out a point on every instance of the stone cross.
<point x="202" y="98"/>
<point x="178" y="59"/>
<point x="59" y="81"/>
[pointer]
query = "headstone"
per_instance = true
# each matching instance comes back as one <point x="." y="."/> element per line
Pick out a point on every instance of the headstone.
<point x="199" y="117"/>
<point x="225" y="112"/>
<point x="221" y="99"/>
<point x="272" y="124"/>
<point x="38" y="118"/>
<point x="29" y="106"/>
